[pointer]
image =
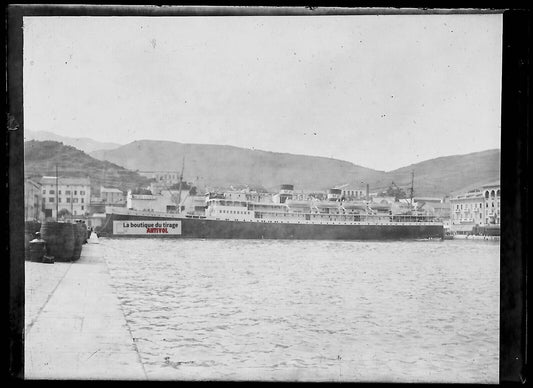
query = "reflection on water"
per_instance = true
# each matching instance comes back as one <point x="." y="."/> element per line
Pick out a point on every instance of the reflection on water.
<point x="320" y="311"/>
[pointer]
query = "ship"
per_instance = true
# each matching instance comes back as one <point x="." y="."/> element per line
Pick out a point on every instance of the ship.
<point x="281" y="216"/>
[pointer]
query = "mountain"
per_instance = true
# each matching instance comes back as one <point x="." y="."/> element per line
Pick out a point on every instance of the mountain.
<point x="41" y="158"/>
<point x="224" y="166"/>
<point x="448" y="174"/>
<point x="82" y="143"/>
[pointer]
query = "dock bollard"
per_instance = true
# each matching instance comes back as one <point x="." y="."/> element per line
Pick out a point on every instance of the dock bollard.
<point x="37" y="250"/>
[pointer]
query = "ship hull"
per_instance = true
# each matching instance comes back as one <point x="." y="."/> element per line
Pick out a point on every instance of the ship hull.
<point x="205" y="228"/>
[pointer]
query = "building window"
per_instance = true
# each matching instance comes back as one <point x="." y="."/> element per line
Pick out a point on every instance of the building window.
<point x="51" y="199"/>
<point x="82" y="192"/>
<point x="81" y="207"/>
<point x="82" y="200"/>
<point x="68" y="200"/>
<point x="52" y="192"/>
<point x="59" y="200"/>
<point x="44" y="191"/>
<point x="75" y="192"/>
<point x="67" y="192"/>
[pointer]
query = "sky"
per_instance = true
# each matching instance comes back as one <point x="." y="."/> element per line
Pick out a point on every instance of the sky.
<point x="380" y="91"/>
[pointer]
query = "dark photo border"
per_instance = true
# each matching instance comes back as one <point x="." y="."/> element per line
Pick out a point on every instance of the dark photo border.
<point x="515" y="126"/>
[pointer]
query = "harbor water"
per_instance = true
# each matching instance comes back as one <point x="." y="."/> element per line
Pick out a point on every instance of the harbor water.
<point x="413" y="311"/>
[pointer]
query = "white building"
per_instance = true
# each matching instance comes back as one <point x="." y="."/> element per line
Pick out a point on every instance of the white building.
<point x="479" y="206"/>
<point x="491" y="193"/>
<point x="65" y="194"/>
<point x="112" y="196"/>
<point x="353" y="193"/>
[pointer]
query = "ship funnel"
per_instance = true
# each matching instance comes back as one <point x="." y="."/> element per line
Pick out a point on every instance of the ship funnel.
<point x="285" y="192"/>
<point x="334" y="194"/>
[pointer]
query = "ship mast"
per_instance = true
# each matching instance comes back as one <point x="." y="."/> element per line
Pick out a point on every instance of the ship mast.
<point x="179" y="186"/>
<point x="57" y="195"/>
<point x="412" y="190"/>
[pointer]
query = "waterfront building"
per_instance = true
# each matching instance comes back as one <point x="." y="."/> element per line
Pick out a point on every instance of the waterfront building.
<point x="65" y="194"/>
<point x="478" y="206"/>
<point x="112" y="196"/>
<point x="166" y="177"/>
<point x="33" y="210"/>
<point x="491" y="194"/>
<point x="353" y="193"/>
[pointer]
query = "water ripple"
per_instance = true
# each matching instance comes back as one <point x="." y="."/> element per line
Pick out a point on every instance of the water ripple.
<point x="311" y="311"/>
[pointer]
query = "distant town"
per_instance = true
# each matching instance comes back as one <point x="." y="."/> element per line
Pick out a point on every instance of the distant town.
<point x="67" y="198"/>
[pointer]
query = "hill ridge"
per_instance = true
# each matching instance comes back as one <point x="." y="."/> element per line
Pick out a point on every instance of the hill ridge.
<point x="42" y="157"/>
<point x="225" y="165"/>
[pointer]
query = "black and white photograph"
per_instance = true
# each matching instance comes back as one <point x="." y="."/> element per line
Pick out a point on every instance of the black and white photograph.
<point x="263" y="197"/>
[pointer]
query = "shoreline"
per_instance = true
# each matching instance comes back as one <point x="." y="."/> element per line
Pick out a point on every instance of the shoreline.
<point x="475" y="237"/>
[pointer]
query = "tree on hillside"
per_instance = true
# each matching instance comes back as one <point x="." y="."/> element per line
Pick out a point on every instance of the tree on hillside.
<point x="394" y="191"/>
<point x="184" y="186"/>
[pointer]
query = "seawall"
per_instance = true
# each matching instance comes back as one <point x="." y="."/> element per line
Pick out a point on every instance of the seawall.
<point x="74" y="325"/>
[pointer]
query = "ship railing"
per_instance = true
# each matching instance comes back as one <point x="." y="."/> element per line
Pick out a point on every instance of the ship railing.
<point x="347" y="217"/>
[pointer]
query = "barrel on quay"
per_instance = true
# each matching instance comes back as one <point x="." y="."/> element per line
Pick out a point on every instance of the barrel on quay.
<point x="60" y="240"/>
<point x="79" y="237"/>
